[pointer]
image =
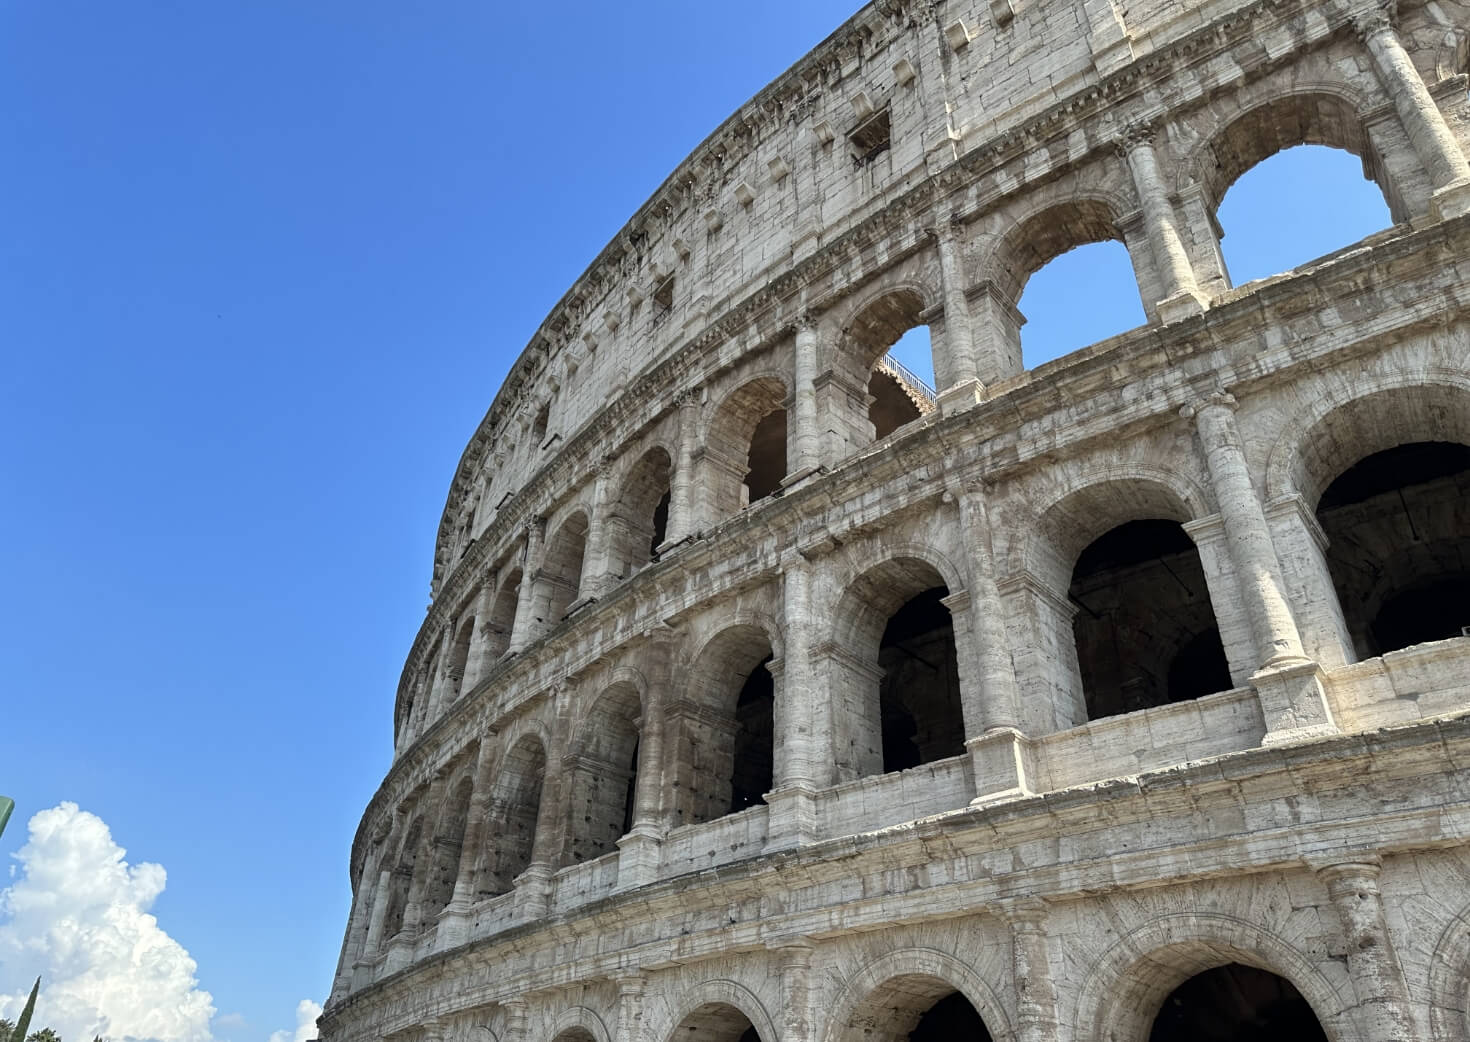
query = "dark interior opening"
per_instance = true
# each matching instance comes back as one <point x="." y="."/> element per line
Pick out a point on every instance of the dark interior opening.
<point x="919" y="696"/>
<point x="951" y="1019"/>
<point x="629" y="799"/>
<point x="892" y="406"/>
<point x="660" y="524"/>
<point x="1145" y="628"/>
<point x="1236" y="1003"/>
<point x="753" y="773"/>
<point x="1398" y="530"/>
<point x="767" y="460"/>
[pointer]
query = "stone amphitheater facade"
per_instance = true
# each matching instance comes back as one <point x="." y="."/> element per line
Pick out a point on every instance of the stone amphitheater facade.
<point x="767" y="694"/>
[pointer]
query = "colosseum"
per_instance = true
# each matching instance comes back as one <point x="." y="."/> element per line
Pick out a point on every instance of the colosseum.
<point x="768" y="694"/>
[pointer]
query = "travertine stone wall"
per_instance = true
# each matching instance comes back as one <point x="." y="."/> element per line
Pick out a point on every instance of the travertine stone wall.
<point x="674" y="563"/>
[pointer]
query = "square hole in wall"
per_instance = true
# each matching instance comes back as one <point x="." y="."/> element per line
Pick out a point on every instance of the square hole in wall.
<point x="871" y="138"/>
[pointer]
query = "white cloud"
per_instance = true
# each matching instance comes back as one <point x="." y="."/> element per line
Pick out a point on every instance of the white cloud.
<point x="78" y="915"/>
<point x="306" y="1014"/>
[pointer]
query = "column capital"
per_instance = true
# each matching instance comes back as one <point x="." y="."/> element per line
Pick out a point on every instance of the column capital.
<point x="630" y="985"/>
<point x="947" y="229"/>
<point x="1376" y="18"/>
<point x="1135" y="133"/>
<point x="805" y="321"/>
<point x="1215" y="399"/>
<point x="1024" y="913"/>
<point x="688" y="398"/>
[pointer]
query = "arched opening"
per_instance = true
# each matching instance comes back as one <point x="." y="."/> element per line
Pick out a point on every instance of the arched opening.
<point x="1145" y="628"/>
<point x="745" y="453"/>
<point x="561" y="571"/>
<point x="401" y="879"/>
<point x="514" y="806"/>
<point x="916" y="1008"/>
<point x="724" y="728"/>
<point x="715" y="1022"/>
<point x="502" y="617"/>
<point x="896" y="393"/>
<point x="459" y="657"/>
<point x="448" y="844"/>
<point x="575" y="1035"/>
<point x="895" y="671"/>
<point x="637" y="525"/>
<point x="604" y="774"/>
<point x="1293" y="204"/>
<point x="1398" y="531"/>
<point x="1089" y="290"/>
<point x="1236" y="1003"/>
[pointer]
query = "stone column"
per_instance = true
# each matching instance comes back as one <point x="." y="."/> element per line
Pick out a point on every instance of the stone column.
<point x="681" y="524"/>
<point x="1000" y="752"/>
<point x="800" y="718"/>
<point x="475" y="667"/>
<point x="996" y="330"/>
<point x="515" y="1021"/>
<point x="962" y="365"/>
<point x="1181" y="292"/>
<point x="413" y="908"/>
<point x="454" y="924"/>
<point x="1377" y="977"/>
<point x="806" y="435"/>
<point x="796" y="990"/>
<point x="533" y="886"/>
<point x="1036" y="999"/>
<point x="1287" y="682"/>
<point x="521" y="633"/>
<point x="1433" y="140"/>
<point x="595" y="578"/>
<point x="639" y="849"/>
<point x="361" y="974"/>
<point x="630" y="1008"/>
<point x="1302" y="547"/>
<point x="358" y="925"/>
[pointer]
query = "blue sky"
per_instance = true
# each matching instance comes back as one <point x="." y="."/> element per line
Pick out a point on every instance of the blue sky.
<point x="262" y="268"/>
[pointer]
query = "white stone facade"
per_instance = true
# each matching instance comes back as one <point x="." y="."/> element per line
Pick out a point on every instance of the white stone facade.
<point x="763" y="692"/>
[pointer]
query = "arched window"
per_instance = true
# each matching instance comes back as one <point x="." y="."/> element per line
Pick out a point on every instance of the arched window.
<point x="745" y="453"/>
<point x="1398" y="545"/>
<point x="716" y="1022"/>
<point x="724" y="728"/>
<point x="1236" y="1002"/>
<point x="895" y="672"/>
<point x="605" y="773"/>
<point x="514" y="808"/>
<point x="916" y="1008"/>
<point x="638" y="522"/>
<point x="561" y="571"/>
<point x="401" y="879"/>
<point x="1090" y="289"/>
<point x="896" y="393"/>
<point x="502" y="618"/>
<point x="459" y="657"/>
<point x="1279" y="204"/>
<point x="448" y="843"/>
<point x="1145" y="627"/>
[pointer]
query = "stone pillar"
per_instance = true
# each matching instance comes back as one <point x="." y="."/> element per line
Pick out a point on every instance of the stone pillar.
<point x="630" y="1008"/>
<point x="1036" y="999"/>
<point x="1287" y="682"/>
<point x="533" y="886"/>
<point x="454" y="923"/>
<point x="521" y="632"/>
<point x="806" y="438"/>
<point x="358" y="925"/>
<point x="1377" y="977"/>
<point x="681" y="524"/>
<point x="413" y="908"/>
<point x="1000" y="753"/>
<point x="1433" y="140"/>
<point x="361" y="975"/>
<point x="996" y="331"/>
<point x="475" y="667"/>
<point x="1302" y="547"/>
<point x="595" y="578"/>
<point x="796" y="990"/>
<point x="639" y="849"/>
<point x="961" y="364"/>
<point x="1181" y="292"/>
<point x="514" y="1029"/>
<point x="800" y="716"/>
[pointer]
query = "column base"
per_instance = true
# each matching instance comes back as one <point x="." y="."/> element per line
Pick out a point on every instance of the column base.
<point x="961" y="396"/>
<point x="800" y="475"/>
<point x="400" y="954"/>
<point x="1293" y="701"/>
<point x="792" y="818"/>
<point x="454" y="926"/>
<point x="1182" y="305"/>
<point x="1453" y="200"/>
<point x="1004" y="763"/>
<point x="533" y="892"/>
<point x="638" y="856"/>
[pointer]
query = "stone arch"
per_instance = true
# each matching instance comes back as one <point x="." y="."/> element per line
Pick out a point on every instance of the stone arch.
<point x="701" y="1015"/>
<point x="514" y="811"/>
<point x="1048" y="230"/>
<point x="895" y="694"/>
<point x="897" y="982"/>
<point x="723" y="725"/>
<point x="881" y="395"/>
<point x="1449" y="981"/>
<point x="402" y="876"/>
<point x="579" y="1024"/>
<point x="560" y="576"/>
<point x="745" y="443"/>
<point x="604" y="768"/>
<point x="637" y="522"/>
<point x="1129" y="982"/>
<point x="448" y="843"/>
<point x="1314" y="113"/>
<point x="459" y="658"/>
<point x="502" y="618"/>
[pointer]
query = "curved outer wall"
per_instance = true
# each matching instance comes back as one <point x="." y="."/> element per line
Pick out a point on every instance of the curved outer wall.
<point x="703" y="495"/>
